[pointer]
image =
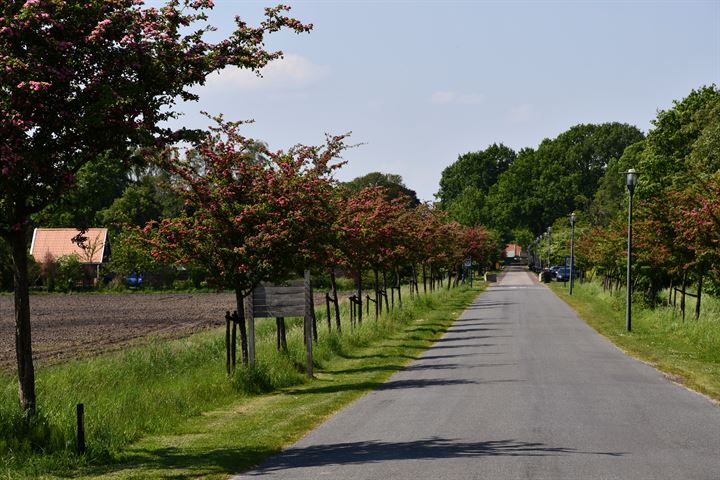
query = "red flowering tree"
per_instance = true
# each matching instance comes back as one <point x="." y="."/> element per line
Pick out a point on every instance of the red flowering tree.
<point x="367" y="230"/>
<point x="81" y="77"/>
<point x="253" y="215"/>
<point x="699" y="227"/>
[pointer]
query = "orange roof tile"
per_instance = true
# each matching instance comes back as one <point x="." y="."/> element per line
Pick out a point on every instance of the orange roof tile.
<point x="58" y="242"/>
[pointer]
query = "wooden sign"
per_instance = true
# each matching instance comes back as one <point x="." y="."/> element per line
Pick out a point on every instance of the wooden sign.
<point x="293" y="299"/>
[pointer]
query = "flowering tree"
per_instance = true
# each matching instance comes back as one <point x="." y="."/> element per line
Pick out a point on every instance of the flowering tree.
<point x="367" y="230"/>
<point x="80" y="78"/>
<point x="253" y="215"/>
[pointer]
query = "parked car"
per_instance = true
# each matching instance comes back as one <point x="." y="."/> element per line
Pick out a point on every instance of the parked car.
<point x="134" y="280"/>
<point x="562" y="274"/>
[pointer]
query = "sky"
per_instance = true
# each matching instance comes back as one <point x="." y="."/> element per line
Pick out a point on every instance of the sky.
<point x="420" y="82"/>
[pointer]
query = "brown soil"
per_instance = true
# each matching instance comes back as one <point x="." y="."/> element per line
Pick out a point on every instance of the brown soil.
<point x="76" y="325"/>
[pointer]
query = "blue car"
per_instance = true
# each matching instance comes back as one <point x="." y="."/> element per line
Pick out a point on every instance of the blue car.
<point x="134" y="280"/>
<point x="562" y="274"/>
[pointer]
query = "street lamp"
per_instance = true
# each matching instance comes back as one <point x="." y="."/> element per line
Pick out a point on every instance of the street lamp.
<point x="572" y="250"/>
<point x="549" y="235"/>
<point x="630" y="180"/>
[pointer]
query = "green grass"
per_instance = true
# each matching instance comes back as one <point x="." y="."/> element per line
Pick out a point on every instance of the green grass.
<point x="689" y="351"/>
<point x="167" y="409"/>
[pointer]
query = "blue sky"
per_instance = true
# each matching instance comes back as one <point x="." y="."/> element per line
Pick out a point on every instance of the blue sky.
<point x="419" y="82"/>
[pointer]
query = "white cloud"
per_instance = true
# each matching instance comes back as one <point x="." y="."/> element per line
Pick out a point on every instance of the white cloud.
<point x="290" y="72"/>
<point x="519" y="113"/>
<point x="447" y="97"/>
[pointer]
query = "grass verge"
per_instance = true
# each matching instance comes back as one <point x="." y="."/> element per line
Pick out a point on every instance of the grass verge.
<point x="167" y="410"/>
<point x="688" y="351"/>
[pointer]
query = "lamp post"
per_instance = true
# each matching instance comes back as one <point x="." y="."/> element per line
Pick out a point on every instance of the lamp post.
<point x="549" y="235"/>
<point x="572" y="250"/>
<point x="630" y="180"/>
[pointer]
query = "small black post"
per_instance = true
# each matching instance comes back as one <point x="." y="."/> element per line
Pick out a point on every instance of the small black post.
<point x="233" y="341"/>
<point x="80" y="429"/>
<point x="327" y="304"/>
<point x="227" y="342"/>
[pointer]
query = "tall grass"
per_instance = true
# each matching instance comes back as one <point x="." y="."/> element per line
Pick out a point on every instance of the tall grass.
<point x="151" y="388"/>
<point x="689" y="349"/>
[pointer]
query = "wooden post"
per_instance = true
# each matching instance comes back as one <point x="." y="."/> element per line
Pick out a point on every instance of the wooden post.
<point x="682" y="298"/>
<point x="233" y="341"/>
<point x="359" y="295"/>
<point x="80" y="429"/>
<point x="327" y="305"/>
<point x="283" y="334"/>
<point x="333" y="284"/>
<point x="378" y="303"/>
<point x="240" y="302"/>
<point x="277" y="327"/>
<point x="398" y="282"/>
<point x="250" y="315"/>
<point x="699" y="298"/>
<point x="308" y="324"/>
<point x="314" y="319"/>
<point x="424" y="277"/>
<point x="227" y="342"/>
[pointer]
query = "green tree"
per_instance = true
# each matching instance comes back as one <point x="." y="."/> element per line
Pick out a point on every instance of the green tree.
<point x="81" y="78"/>
<point x="667" y="163"/>
<point x="393" y="185"/>
<point x="479" y="169"/>
<point x="98" y="183"/>
<point x="561" y="176"/>
<point x="149" y="198"/>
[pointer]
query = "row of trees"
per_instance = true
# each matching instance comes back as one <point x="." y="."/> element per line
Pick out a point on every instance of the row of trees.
<point x="677" y="216"/>
<point x="677" y="207"/>
<point x="521" y="194"/>
<point x="253" y="215"/>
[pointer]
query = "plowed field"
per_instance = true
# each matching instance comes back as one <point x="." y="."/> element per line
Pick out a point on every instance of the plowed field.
<point x="65" y="326"/>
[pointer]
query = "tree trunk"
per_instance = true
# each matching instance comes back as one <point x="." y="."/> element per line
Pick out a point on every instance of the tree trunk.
<point x="243" y="331"/>
<point x="233" y="342"/>
<point x="314" y="319"/>
<point x="682" y="298"/>
<point x="23" y="334"/>
<point x="359" y="296"/>
<point x="415" y="282"/>
<point x="228" y="319"/>
<point x="399" y="287"/>
<point x="424" y="275"/>
<point x="387" y="307"/>
<point x="378" y="301"/>
<point x="333" y="284"/>
<point x="699" y="298"/>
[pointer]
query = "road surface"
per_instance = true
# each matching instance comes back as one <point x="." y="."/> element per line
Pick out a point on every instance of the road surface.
<point x="518" y="388"/>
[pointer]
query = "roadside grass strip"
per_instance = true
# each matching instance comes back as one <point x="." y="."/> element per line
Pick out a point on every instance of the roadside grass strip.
<point x="168" y="410"/>
<point x="688" y="351"/>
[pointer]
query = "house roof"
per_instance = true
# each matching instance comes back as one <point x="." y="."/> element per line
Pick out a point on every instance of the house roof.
<point x="58" y="242"/>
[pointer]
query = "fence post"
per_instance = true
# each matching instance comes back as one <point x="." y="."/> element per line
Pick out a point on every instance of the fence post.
<point x="308" y="324"/>
<point x="80" y="429"/>
<point x="249" y="314"/>
<point x="227" y="342"/>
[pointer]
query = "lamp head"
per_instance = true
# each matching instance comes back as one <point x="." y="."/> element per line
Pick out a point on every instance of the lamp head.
<point x="573" y="217"/>
<point x="631" y="179"/>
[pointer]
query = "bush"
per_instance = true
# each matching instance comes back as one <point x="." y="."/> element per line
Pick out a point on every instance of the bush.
<point x="69" y="272"/>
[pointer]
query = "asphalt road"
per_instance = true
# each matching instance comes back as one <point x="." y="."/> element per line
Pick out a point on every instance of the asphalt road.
<point x="518" y="388"/>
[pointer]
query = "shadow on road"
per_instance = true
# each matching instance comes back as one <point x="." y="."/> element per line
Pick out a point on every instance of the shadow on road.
<point x="430" y="448"/>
